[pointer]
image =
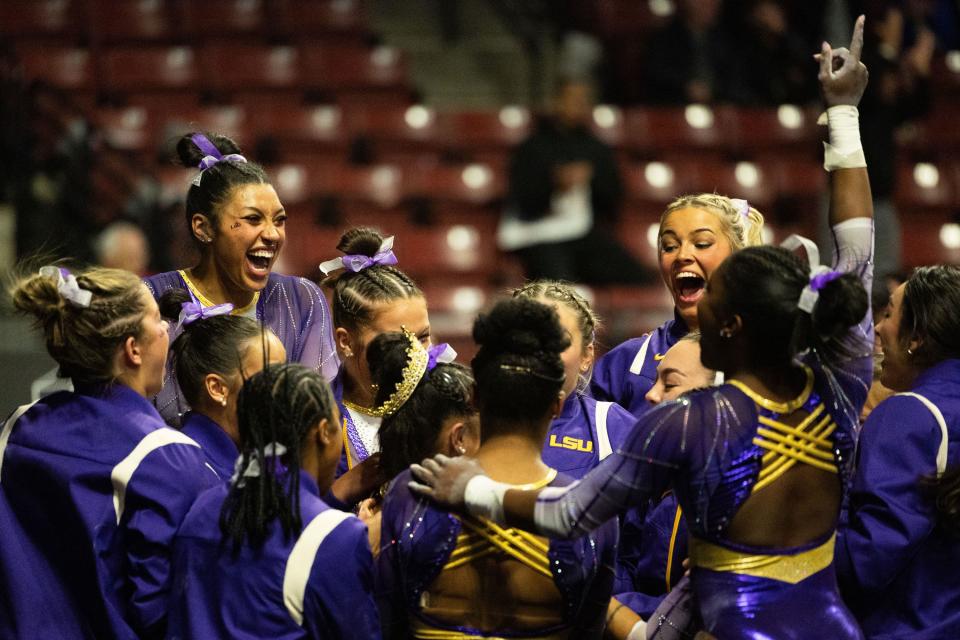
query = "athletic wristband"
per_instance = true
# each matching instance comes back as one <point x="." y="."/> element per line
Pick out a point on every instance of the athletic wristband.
<point x="844" y="151"/>
<point x="483" y="498"/>
<point x="638" y="632"/>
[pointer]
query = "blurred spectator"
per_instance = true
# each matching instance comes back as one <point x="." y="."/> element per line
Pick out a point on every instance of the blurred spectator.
<point x="773" y="63"/>
<point x="898" y="92"/>
<point x="563" y="197"/>
<point x="689" y="60"/>
<point x="123" y="245"/>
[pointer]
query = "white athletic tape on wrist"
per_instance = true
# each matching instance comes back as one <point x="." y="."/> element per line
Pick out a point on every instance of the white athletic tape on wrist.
<point x="638" y="632"/>
<point x="844" y="151"/>
<point x="483" y="498"/>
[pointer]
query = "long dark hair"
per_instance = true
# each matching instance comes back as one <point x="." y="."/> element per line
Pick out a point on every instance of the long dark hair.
<point x="931" y="298"/>
<point x="410" y="434"/>
<point x="277" y="406"/>
<point x="518" y="367"/>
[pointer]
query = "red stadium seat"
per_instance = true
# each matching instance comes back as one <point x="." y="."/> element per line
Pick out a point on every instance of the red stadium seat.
<point x="746" y="180"/>
<point x="694" y="128"/>
<point x="342" y="19"/>
<point x="150" y="69"/>
<point x="925" y="186"/>
<point x="786" y="128"/>
<point x="655" y="183"/>
<point x="60" y="19"/>
<point x="219" y="18"/>
<point x="64" y="67"/>
<point x="335" y="68"/>
<point x="476" y="184"/>
<point x="485" y="130"/>
<point x="132" y="21"/>
<point x="230" y="67"/>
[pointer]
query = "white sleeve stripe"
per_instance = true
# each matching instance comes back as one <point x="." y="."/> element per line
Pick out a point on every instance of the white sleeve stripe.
<point x="944" y="434"/>
<point x="637" y="365"/>
<point x="603" y="438"/>
<point x="300" y="562"/>
<point x="8" y="429"/>
<point x="123" y="472"/>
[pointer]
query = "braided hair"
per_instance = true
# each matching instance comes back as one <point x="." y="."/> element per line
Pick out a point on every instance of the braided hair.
<point x="214" y="186"/>
<point x="84" y="340"/>
<point x="763" y="284"/>
<point x="411" y="433"/>
<point x="355" y="294"/>
<point x="739" y="229"/>
<point x="567" y="295"/>
<point x="518" y="368"/>
<point x="280" y="405"/>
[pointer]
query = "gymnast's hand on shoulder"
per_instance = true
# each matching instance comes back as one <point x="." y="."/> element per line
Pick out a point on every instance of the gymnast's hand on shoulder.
<point x="444" y="479"/>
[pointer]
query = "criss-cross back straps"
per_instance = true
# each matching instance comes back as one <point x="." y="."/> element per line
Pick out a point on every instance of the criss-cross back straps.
<point x="481" y="538"/>
<point x="808" y="443"/>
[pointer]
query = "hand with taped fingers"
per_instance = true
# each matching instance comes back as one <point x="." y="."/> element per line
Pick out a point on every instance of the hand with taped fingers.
<point x="843" y="78"/>
<point x="444" y="479"/>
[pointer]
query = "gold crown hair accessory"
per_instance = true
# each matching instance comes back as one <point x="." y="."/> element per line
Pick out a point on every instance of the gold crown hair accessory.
<point x="417" y="358"/>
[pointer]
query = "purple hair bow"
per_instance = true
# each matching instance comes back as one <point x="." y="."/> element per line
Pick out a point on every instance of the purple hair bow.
<point x="193" y="311"/>
<point x="212" y="155"/>
<point x="358" y="262"/>
<point x="440" y="353"/>
<point x="820" y="275"/>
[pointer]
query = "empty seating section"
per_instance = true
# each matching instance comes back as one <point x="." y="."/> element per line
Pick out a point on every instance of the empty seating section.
<point x="307" y="90"/>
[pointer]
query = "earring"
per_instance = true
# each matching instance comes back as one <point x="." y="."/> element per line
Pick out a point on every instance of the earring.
<point x="348" y="353"/>
<point x="223" y="402"/>
<point x="726" y="333"/>
<point x="461" y="449"/>
<point x="909" y="352"/>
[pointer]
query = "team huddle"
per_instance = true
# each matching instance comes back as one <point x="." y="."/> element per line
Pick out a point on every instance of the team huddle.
<point x="245" y="454"/>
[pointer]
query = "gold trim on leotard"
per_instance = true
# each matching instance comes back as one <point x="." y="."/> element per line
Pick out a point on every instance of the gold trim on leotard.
<point x="207" y="302"/>
<point x="786" y="445"/>
<point x="773" y="405"/>
<point x="786" y="568"/>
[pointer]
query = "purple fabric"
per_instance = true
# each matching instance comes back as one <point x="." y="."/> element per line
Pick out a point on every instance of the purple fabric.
<point x="220" y="451"/>
<point x="218" y="594"/>
<point x="205" y="145"/>
<point x="416" y="540"/>
<point x="209" y="161"/>
<point x="293" y="308"/>
<point x="614" y="381"/>
<point x="359" y="262"/>
<point x="571" y="445"/>
<point x="742" y="606"/>
<point x="820" y="281"/>
<point x="193" y="311"/>
<point x="702" y="447"/>
<point x="897" y="568"/>
<point x="61" y="454"/>
<point x="434" y="352"/>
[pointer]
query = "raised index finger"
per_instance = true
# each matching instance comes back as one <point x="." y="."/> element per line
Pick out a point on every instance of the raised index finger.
<point x="856" y="42"/>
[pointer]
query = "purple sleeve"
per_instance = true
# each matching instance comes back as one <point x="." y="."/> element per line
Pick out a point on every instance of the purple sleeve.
<point x="889" y="514"/>
<point x="853" y="253"/>
<point x="609" y="381"/>
<point x="643" y="467"/>
<point x="339" y="604"/>
<point x="315" y="344"/>
<point x="157" y="498"/>
<point x="593" y="614"/>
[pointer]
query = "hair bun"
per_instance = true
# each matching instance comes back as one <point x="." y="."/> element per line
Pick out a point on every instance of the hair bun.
<point x="363" y="241"/>
<point x="38" y="295"/>
<point x="521" y="326"/>
<point x="171" y="303"/>
<point x="842" y="304"/>
<point x="189" y="154"/>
